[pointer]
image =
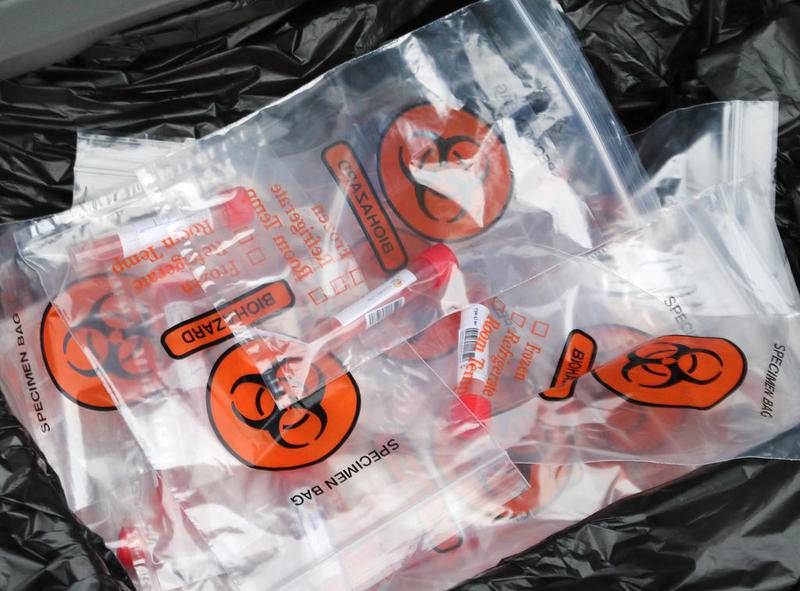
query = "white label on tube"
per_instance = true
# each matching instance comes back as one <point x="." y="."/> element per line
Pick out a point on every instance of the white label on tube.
<point x="141" y="234"/>
<point x="378" y="314"/>
<point x="473" y="354"/>
<point x="377" y="298"/>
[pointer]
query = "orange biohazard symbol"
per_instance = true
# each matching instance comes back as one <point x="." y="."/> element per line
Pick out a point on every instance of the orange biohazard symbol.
<point x="445" y="172"/>
<point x="677" y="371"/>
<point x="114" y="336"/>
<point x="242" y="409"/>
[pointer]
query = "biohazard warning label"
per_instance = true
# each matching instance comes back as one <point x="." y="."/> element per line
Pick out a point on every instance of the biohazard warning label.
<point x="205" y="330"/>
<point x="105" y="326"/>
<point x="676" y="370"/>
<point x="378" y="228"/>
<point x="576" y="359"/>
<point x="468" y="158"/>
<point x="248" y="422"/>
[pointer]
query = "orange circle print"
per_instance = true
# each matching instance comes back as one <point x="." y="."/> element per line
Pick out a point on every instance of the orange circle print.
<point x="676" y="370"/>
<point x="242" y="410"/>
<point x="444" y="172"/>
<point x="115" y="336"/>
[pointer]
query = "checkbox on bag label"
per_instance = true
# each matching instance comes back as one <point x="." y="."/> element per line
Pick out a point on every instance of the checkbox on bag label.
<point x="498" y="305"/>
<point x="540" y="329"/>
<point x="356" y="276"/>
<point x="339" y="285"/>
<point x="318" y="296"/>
<point x="256" y="256"/>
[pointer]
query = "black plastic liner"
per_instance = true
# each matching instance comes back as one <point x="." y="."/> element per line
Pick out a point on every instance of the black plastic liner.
<point x="732" y="526"/>
<point x="729" y="527"/>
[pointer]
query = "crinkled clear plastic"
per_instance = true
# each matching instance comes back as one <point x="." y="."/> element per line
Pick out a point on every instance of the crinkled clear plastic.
<point x="559" y="496"/>
<point x="49" y="409"/>
<point x="104" y="163"/>
<point x="691" y="149"/>
<point x="483" y="135"/>
<point x="333" y="492"/>
<point x="697" y="155"/>
<point x="713" y="383"/>
<point x="700" y="268"/>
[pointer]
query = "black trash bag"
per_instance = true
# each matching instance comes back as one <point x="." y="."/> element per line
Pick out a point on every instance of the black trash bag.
<point x="728" y="527"/>
<point x="183" y="76"/>
<point x="42" y="544"/>
<point x="192" y="73"/>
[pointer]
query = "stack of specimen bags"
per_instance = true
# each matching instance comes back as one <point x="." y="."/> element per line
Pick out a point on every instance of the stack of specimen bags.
<point x="672" y="342"/>
<point x="487" y="533"/>
<point x="202" y="405"/>
<point x="173" y="328"/>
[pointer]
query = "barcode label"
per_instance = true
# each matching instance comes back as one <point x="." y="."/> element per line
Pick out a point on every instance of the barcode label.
<point x="472" y="353"/>
<point x="468" y="340"/>
<point x="381" y="313"/>
<point x="388" y="291"/>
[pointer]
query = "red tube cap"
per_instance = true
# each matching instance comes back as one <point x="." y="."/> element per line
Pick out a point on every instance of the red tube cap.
<point x="480" y="406"/>
<point x="465" y="410"/>
<point x="442" y="259"/>
<point x="130" y="547"/>
<point x="238" y="210"/>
